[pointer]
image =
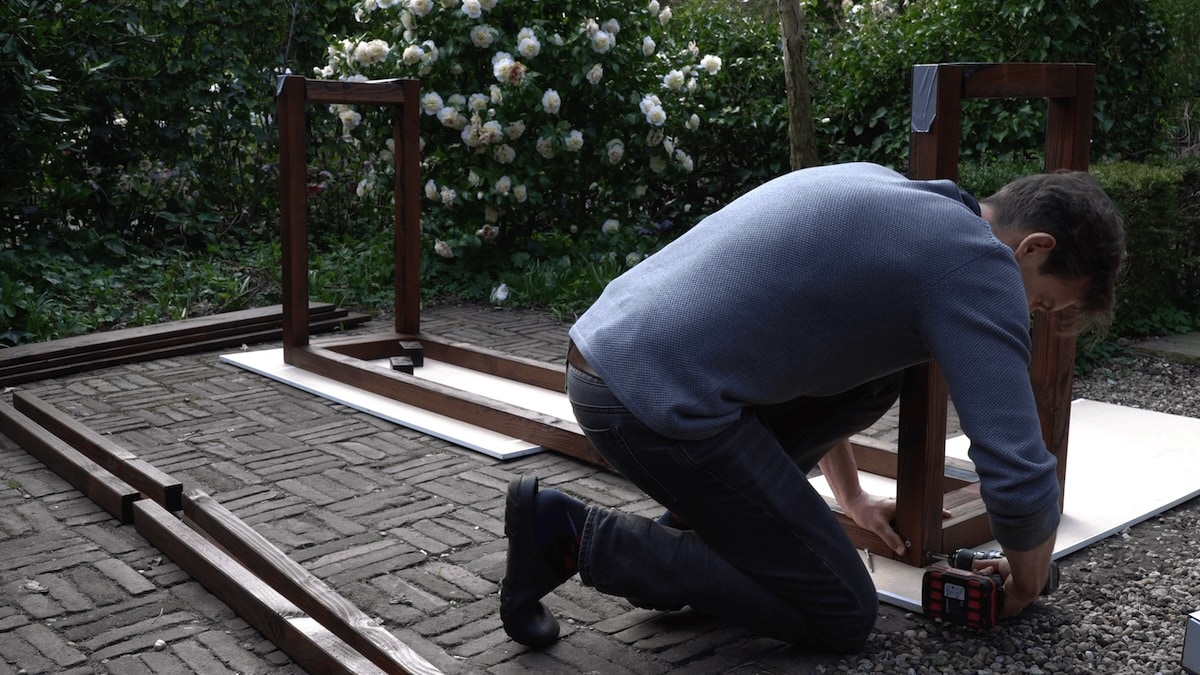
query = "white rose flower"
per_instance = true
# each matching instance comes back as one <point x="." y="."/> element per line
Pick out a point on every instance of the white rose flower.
<point x="505" y="154"/>
<point x="685" y="160"/>
<point x="492" y="132"/>
<point x="656" y="116"/>
<point x="611" y="26"/>
<point x="711" y="63"/>
<point x="443" y="249"/>
<point x="431" y="52"/>
<point x="495" y="94"/>
<point x="673" y="80"/>
<point x="693" y="122"/>
<point x="477" y="102"/>
<point x="610" y="226"/>
<point x="448" y="117"/>
<point x="515" y="130"/>
<point x="365" y="187"/>
<point x="431" y="190"/>
<point x="473" y="178"/>
<point x="545" y="147"/>
<point x="420" y="7"/>
<point x="616" y="150"/>
<point x="648" y="46"/>
<point x="664" y="16"/>
<point x="472" y="8"/>
<point x="519" y="192"/>
<point x="370" y="52"/>
<point x="503" y="185"/>
<point x="653" y="8"/>
<point x="595" y="74"/>
<point x="412" y="55"/>
<point x="431" y="103"/>
<point x="482" y="36"/>
<point x="448" y="195"/>
<point x="574" y="141"/>
<point x="529" y="47"/>
<point x="551" y="102"/>
<point x="602" y="41"/>
<point x="648" y="102"/>
<point x="633" y="258"/>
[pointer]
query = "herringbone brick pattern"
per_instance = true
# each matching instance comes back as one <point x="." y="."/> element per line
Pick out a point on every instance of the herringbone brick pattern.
<point x="408" y="527"/>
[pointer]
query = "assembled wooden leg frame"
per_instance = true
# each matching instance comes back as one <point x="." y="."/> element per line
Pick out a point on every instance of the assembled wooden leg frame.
<point x="925" y="482"/>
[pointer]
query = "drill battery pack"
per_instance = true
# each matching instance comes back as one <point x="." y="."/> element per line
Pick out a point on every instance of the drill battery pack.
<point x="962" y="597"/>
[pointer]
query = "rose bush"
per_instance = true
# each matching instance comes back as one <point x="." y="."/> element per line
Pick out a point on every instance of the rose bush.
<point x="545" y="125"/>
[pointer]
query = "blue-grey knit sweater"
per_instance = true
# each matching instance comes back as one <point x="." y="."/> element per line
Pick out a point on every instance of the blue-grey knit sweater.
<point x="821" y="280"/>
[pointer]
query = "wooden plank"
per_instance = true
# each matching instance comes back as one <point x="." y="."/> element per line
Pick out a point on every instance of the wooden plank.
<point x="406" y="132"/>
<point x="375" y="92"/>
<point x="527" y="371"/>
<point x="293" y="209"/>
<point x="151" y="351"/>
<point x="122" y="463"/>
<point x="308" y="643"/>
<point x="879" y="458"/>
<point x="111" y="493"/>
<point x="299" y="586"/>
<point x="119" y="351"/>
<point x="129" y="337"/>
<point x="921" y="462"/>
<point x="1019" y="80"/>
<point x="545" y="430"/>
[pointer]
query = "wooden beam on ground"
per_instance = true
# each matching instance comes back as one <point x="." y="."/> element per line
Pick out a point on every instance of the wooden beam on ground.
<point x="27" y="363"/>
<point x="299" y="586"/>
<point x="518" y="369"/>
<point x="545" y="430"/>
<point x="112" y="494"/>
<point x="122" y="463"/>
<point x="310" y="645"/>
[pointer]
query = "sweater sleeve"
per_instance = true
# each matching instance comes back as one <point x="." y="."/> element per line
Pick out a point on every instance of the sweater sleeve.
<point x="979" y="336"/>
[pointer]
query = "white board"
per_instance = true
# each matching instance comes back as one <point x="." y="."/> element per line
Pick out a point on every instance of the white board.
<point x="269" y="363"/>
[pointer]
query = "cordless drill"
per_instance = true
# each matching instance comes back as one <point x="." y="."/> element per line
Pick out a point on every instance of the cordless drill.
<point x="958" y="594"/>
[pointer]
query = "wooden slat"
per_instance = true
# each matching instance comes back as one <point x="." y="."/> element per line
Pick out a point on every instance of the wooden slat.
<point x="293" y="209"/>
<point x="299" y="586"/>
<point x="545" y="430"/>
<point x="879" y="458"/>
<point x="406" y="132"/>
<point x="111" y="493"/>
<point x="309" y="644"/>
<point x="130" y="337"/>
<point x="1019" y="80"/>
<point x="111" y="347"/>
<point x="199" y="343"/>
<point x="518" y="369"/>
<point x="377" y="92"/>
<point x="921" y="462"/>
<point x="122" y="463"/>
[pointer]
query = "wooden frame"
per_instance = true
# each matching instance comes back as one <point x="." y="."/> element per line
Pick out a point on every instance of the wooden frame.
<point x="922" y="488"/>
<point x="345" y="360"/>
<point x="925" y="480"/>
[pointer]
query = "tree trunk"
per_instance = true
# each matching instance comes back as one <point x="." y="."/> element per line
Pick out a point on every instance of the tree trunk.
<point x="802" y="141"/>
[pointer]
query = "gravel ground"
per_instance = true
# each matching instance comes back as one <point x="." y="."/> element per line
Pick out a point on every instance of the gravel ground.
<point x="1123" y="602"/>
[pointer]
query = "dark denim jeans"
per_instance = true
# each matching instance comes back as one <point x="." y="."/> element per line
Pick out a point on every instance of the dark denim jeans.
<point x="764" y="551"/>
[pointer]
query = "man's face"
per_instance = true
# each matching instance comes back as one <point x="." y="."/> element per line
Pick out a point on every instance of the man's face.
<point x="1045" y="292"/>
<point x="1048" y="293"/>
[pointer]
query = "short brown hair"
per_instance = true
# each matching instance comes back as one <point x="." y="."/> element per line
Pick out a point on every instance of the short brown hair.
<point x="1085" y="223"/>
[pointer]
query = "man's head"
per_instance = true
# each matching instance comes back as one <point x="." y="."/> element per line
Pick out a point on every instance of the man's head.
<point x="1067" y="226"/>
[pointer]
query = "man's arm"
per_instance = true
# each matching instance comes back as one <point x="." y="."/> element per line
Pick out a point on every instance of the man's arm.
<point x="869" y="512"/>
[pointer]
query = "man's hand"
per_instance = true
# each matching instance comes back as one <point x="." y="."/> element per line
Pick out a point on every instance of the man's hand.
<point x="1024" y="573"/>
<point x="873" y="514"/>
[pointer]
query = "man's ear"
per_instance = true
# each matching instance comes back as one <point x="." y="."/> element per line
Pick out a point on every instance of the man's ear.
<point x="1036" y="244"/>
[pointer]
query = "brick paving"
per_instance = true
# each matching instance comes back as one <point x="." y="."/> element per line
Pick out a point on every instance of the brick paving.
<point x="406" y="526"/>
